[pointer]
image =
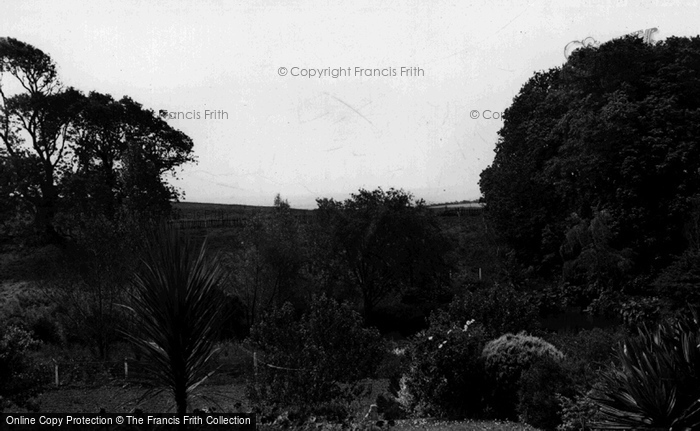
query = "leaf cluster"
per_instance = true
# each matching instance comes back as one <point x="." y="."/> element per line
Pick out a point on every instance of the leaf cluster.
<point x="177" y="312"/>
<point x="657" y="384"/>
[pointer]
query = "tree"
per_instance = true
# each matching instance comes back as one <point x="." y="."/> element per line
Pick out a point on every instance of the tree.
<point x="121" y="153"/>
<point x="605" y="145"/>
<point x="388" y="242"/>
<point x="92" y="277"/>
<point x="39" y="114"/>
<point x="266" y="270"/>
<point x="70" y="156"/>
<point x="178" y="313"/>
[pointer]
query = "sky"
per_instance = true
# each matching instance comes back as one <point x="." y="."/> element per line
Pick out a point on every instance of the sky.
<point x="314" y="99"/>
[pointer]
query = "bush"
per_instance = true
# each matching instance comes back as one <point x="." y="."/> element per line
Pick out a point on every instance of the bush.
<point x="33" y="310"/>
<point x="658" y="382"/>
<point x="587" y="354"/>
<point x="445" y="376"/>
<point x="578" y="413"/>
<point x="394" y="365"/>
<point x="541" y="385"/>
<point x="500" y="308"/>
<point x="47" y="330"/>
<point x="596" y="346"/>
<point x="506" y="359"/>
<point x="19" y="377"/>
<point x="312" y="362"/>
<point x="390" y="407"/>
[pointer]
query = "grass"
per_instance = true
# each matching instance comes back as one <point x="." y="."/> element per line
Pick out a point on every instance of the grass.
<point x="126" y="398"/>
<point x="231" y="397"/>
<point x="467" y="425"/>
<point x="225" y="391"/>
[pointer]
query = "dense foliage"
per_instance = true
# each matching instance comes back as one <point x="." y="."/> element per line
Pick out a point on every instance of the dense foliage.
<point x="67" y="157"/>
<point x="268" y="266"/>
<point x="499" y="308"/>
<point x="658" y="382"/>
<point x="586" y="354"/>
<point x="311" y="362"/>
<point x="20" y="378"/>
<point x="387" y="243"/>
<point x="597" y="168"/>
<point x="505" y="360"/>
<point x="541" y="388"/>
<point x="446" y="374"/>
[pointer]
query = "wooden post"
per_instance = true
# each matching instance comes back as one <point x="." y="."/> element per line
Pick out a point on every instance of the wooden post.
<point x="126" y="369"/>
<point x="479" y="274"/>
<point x="55" y="371"/>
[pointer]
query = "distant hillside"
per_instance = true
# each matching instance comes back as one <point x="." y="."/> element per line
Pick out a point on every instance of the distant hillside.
<point x="196" y="210"/>
<point x="462" y="222"/>
<point x="473" y="201"/>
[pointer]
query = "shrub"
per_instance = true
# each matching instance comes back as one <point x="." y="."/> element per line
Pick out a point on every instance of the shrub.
<point x="47" y="330"/>
<point x="500" y="308"/>
<point x="578" y="413"/>
<point x="445" y="376"/>
<point x="596" y="346"/>
<point x="587" y="354"/>
<point x="541" y="385"/>
<point x="658" y="381"/>
<point x="19" y="377"/>
<point x="394" y="365"/>
<point x="33" y="310"/>
<point x="312" y="362"/>
<point x="390" y="407"/>
<point x="505" y="360"/>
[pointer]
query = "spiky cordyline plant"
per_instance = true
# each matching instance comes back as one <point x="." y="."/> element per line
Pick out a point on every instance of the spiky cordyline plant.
<point x="658" y="386"/>
<point x="177" y="314"/>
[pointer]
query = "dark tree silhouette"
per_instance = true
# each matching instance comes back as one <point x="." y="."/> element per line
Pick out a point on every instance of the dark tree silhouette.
<point x="388" y="243"/>
<point x="63" y="152"/>
<point x="598" y="164"/>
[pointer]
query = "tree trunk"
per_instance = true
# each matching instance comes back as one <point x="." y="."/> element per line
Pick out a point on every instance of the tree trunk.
<point x="181" y="401"/>
<point x="46" y="211"/>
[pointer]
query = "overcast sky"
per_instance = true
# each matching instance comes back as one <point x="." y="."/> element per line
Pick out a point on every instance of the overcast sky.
<point x="305" y="137"/>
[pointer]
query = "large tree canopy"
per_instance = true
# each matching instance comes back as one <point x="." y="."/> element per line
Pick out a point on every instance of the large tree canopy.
<point x="64" y="152"/>
<point x="598" y="162"/>
<point x="388" y="243"/>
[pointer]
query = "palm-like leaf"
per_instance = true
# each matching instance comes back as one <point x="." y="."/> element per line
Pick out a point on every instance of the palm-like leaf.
<point x="177" y="313"/>
<point x="659" y="383"/>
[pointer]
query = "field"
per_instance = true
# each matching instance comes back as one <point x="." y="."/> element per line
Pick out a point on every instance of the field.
<point x="194" y="210"/>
